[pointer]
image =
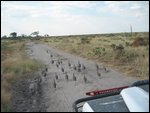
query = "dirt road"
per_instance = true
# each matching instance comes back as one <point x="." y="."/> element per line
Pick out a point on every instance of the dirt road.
<point x="69" y="88"/>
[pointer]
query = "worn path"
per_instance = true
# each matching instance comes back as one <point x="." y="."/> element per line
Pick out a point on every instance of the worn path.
<point x="67" y="91"/>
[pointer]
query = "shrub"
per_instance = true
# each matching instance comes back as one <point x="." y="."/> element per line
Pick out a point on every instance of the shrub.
<point x="113" y="46"/>
<point x="140" y="42"/>
<point x="99" y="51"/>
<point x="85" y="40"/>
<point x="127" y="43"/>
<point x="131" y="56"/>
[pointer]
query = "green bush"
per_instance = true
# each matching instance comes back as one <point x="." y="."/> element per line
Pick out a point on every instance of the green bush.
<point x="131" y="56"/>
<point x="99" y="51"/>
<point x="127" y="43"/>
<point x="85" y="40"/>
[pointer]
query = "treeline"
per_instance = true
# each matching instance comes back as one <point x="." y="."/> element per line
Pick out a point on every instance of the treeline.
<point x="36" y="35"/>
<point x="14" y="35"/>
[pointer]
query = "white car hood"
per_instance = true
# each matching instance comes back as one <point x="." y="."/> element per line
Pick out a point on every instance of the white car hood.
<point x="136" y="99"/>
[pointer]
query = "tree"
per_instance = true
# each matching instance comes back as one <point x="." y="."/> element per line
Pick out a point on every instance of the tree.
<point x="23" y="35"/>
<point x="46" y="35"/>
<point x="131" y="29"/>
<point x="13" y="34"/>
<point x="35" y="33"/>
<point x="4" y="36"/>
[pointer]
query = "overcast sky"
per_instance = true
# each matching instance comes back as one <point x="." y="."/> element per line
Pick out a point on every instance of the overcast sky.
<point x="73" y="17"/>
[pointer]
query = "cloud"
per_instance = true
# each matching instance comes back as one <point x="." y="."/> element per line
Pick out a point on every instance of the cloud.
<point x="35" y="10"/>
<point x="124" y="8"/>
<point x="135" y="7"/>
<point x="77" y="4"/>
<point x="70" y="17"/>
<point x="113" y="7"/>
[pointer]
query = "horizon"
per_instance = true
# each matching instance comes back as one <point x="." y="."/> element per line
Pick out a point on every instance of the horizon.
<point x="73" y="18"/>
<point x="82" y="34"/>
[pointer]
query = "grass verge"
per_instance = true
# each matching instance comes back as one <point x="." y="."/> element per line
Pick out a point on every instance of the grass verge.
<point x="14" y="64"/>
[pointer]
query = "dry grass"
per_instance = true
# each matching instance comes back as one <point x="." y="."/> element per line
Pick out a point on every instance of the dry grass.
<point x="5" y="99"/>
<point x="14" y="65"/>
<point x="133" y="61"/>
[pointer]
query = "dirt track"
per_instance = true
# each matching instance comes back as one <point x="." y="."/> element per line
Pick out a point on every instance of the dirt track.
<point x="67" y="91"/>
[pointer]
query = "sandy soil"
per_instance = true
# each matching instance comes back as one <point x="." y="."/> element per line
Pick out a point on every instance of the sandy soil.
<point x="61" y="98"/>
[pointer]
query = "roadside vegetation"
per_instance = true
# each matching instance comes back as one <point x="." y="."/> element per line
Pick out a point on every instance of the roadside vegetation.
<point x="14" y="65"/>
<point x="121" y="51"/>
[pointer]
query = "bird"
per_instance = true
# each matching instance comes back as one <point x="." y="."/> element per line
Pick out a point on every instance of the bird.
<point x="46" y="69"/>
<point x="56" y="76"/>
<point x="54" y="84"/>
<point x="74" y="77"/>
<point x="97" y="67"/>
<point x="104" y="68"/>
<point x="61" y="61"/>
<point x="79" y="70"/>
<point x="62" y="69"/>
<point x="44" y="74"/>
<point x="69" y="64"/>
<point x="66" y="76"/>
<point x="99" y="74"/>
<point x="85" y="79"/>
<point x="74" y="67"/>
<point x="83" y="67"/>
<point x="52" y="61"/>
<point x="40" y="80"/>
<point x="79" y="65"/>
<point x="57" y="65"/>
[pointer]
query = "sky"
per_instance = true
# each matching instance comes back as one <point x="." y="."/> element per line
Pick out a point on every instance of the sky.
<point x="73" y="17"/>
